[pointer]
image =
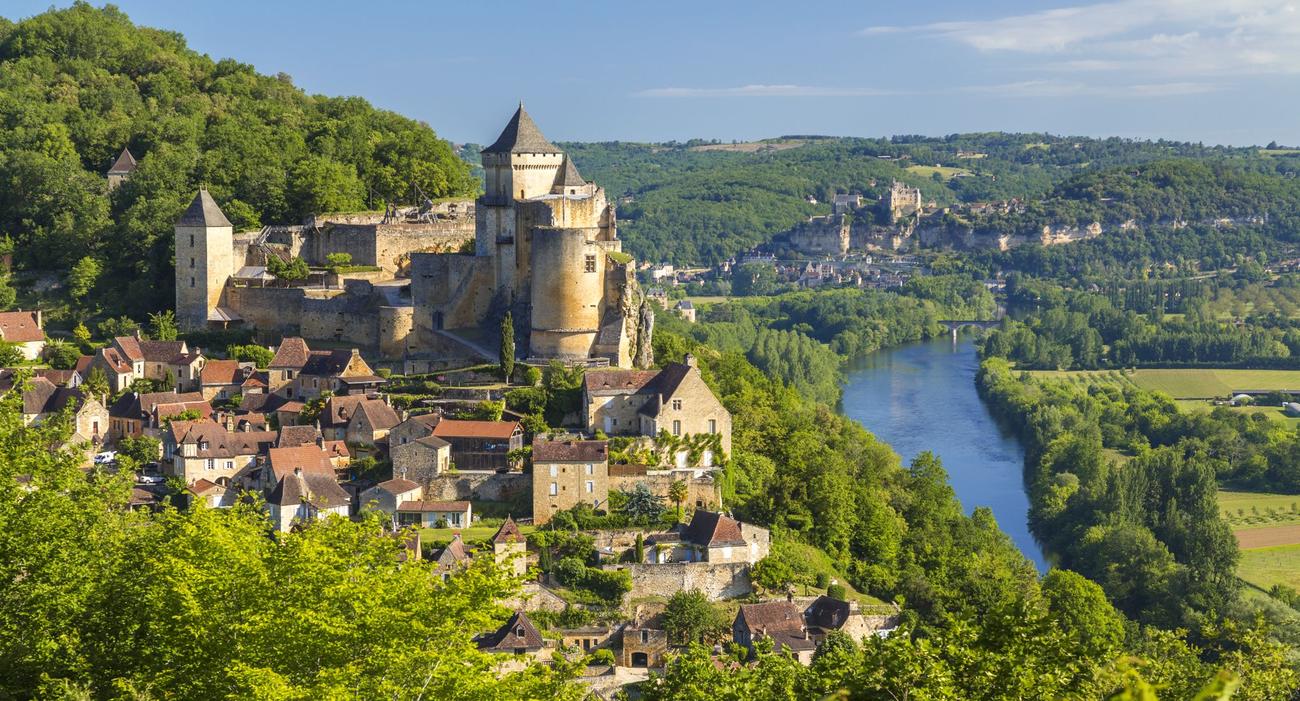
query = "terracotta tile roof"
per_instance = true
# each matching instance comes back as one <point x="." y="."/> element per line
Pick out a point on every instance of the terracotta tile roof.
<point x="219" y="442"/>
<point x="83" y="364"/>
<point x="220" y="372"/>
<point x="293" y="436"/>
<point x="337" y="449"/>
<point x="770" y="617"/>
<point x="129" y="347"/>
<point x="397" y="486"/>
<point x="518" y="633"/>
<point x="291" y="355"/>
<point x="162" y="412"/>
<point x="712" y="529"/>
<point x="311" y="458"/>
<point x="114" y="360"/>
<point x="203" y="486"/>
<point x="452" y="428"/>
<point x="434" y="506"/>
<point x="508" y="533"/>
<point x="340" y="409"/>
<point x="618" y="380"/>
<point x="163" y="351"/>
<point x="569" y="451"/>
<point x="21" y="327"/>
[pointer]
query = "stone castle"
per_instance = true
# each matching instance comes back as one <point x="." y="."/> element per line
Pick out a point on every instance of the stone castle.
<point x="429" y="286"/>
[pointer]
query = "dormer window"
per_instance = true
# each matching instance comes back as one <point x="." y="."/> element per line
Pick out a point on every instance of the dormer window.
<point x="519" y="632"/>
<point x="203" y="445"/>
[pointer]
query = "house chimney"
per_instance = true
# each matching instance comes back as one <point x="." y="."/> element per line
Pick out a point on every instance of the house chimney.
<point x="297" y="472"/>
<point x="691" y="361"/>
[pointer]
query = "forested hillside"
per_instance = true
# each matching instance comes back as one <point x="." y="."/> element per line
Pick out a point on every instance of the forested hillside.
<point x="685" y="204"/>
<point x="78" y="85"/>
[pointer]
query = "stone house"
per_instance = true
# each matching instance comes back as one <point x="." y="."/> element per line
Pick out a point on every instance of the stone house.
<point x="686" y="310"/>
<point x="43" y="399"/>
<point x="386" y="496"/>
<point x="302" y="496"/>
<point x="642" y="646"/>
<point x="224" y="379"/>
<point x="154" y="360"/>
<point x="710" y="537"/>
<point x="357" y="419"/>
<point x="587" y="638"/>
<point x="481" y="445"/>
<point x="138" y="414"/>
<point x="308" y="459"/>
<point x="567" y="473"/>
<point x="213" y="495"/>
<point x="510" y="547"/>
<point x="645" y="402"/>
<point x="517" y="637"/>
<point x="780" y="621"/>
<point x="427" y="514"/>
<point x="298" y="372"/>
<point x="420" y="459"/>
<point x="450" y="558"/>
<point x="206" y="450"/>
<point x="826" y="614"/>
<point x="24" y="329"/>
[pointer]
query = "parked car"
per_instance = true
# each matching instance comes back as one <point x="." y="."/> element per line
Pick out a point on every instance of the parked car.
<point x="107" y="457"/>
<point x="150" y="479"/>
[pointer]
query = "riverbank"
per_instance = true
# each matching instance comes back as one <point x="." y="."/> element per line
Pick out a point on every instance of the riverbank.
<point x="922" y="396"/>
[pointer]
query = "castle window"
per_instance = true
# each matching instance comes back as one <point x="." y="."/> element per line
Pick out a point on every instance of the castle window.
<point x="191" y="282"/>
<point x="677" y="405"/>
<point x="553" y="470"/>
<point x="191" y="262"/>
<point x="554" y="489"/>
<point x="591" y="486"/>
<point x="713" y="425"/>
<point x="590" y="264"/>
<point x="191" y="239"/>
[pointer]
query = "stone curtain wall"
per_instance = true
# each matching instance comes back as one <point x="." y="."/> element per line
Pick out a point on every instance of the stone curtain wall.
<point x="716" y="580"/>
<point x="479" y="485"/>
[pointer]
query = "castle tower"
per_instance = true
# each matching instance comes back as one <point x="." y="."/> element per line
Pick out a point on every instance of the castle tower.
<point x="204" y="262"/>
<point x="121" y="169"/>
<point x="520" y="165"/>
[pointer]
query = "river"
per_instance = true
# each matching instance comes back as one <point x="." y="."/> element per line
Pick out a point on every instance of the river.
<point x="922" y="396"/>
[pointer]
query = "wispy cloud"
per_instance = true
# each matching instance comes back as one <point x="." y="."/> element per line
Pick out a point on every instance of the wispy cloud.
<point x="1159" y="39"/>
<point x="1065" y="88"/>
<point x="763" y="91"/>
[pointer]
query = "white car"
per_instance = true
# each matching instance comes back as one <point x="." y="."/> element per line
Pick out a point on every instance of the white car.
<point x="106" y="458"/>
<point x="150" y="479"/>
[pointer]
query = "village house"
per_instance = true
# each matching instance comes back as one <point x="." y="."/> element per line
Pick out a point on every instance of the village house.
<point x="158" y="360"/>
<point x="206" y="450"/>
<point x="224" y="379"/>
<point x="450" y="558"/>
<point x="509" y="547"/>
<point x="387" y="495"/>
<point x="642" y="646"/>
<point x="42" y="399"/>
<point x="782" y="622"/>
<point x="686" y="310"/>
<point x="415" y="452"/>
<point x="644" y="402"/>
<point x="435" y="514"/>
<point x="213" y="495"/>
<point x="566" y="473"/>
<point x="481" y="445"/>
<point x="298" y="372"/>
<point x="357" y="419"/>
<point x="138" y="414"/>
<point x="710" y="537"/>
<point x="24" y="329"/>
<point x="302" y="497"/>
<point x="517" y="637"/>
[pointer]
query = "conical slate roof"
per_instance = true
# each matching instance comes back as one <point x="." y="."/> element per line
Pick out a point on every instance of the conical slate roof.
<point x="125" y="162"/>
<point x="203" y="211"/>
<point x="568" y="175"/>
<point x="521" y="135"/>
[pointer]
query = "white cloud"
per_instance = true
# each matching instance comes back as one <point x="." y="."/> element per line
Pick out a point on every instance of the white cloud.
<point x="763" y="91"/>
<point x="1159" y="39"/>
<point x="1065" y="88"/>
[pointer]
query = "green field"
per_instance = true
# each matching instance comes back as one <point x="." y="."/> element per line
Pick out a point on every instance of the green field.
<point x="472" y="534"/>
<point x="1195" y="383"/>
<point x="945" y="172"/>
<point x="1244" y="510"/>
<point x="1264" y="567"/>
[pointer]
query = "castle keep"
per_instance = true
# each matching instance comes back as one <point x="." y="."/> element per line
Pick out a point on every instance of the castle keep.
<point x="541" y="243"/>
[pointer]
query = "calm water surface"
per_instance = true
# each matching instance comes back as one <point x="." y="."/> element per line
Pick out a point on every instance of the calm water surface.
<point x="922" y="397"/>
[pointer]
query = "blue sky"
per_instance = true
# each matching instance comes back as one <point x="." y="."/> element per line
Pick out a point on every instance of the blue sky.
<point x="1218" y="71"/>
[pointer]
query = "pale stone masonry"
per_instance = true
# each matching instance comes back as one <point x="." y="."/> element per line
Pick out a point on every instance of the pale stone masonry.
<point x="204" y="263"/>
<point x="567" y="473"/>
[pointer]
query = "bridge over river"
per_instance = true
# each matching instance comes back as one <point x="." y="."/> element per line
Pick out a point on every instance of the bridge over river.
<point x="955" y="325"/>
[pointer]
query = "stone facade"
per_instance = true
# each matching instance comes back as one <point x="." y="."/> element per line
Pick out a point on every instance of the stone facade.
<point x="567" y="473"/>
<point x="479" y="486"/>
<point x="726" y="580"/>
<point x="204" y="261"/>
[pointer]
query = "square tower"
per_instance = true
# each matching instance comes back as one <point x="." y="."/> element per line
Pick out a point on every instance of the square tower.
<point x="204" y="261"/>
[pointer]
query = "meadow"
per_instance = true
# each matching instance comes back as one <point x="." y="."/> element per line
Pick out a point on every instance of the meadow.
<point x="1264" y="567"/>
<point x="1188" y="383"/>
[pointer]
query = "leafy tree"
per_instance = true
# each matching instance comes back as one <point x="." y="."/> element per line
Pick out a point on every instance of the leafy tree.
<point x="318" y="185"/>
<point x="96" y="382"/>
<point x="643" y="505"/>
<point x="120" y="326"/>
<point x="260" y="355"/>
<point x="162" y="326"/>
<point x="689" y="617"/>
<point x="11" y="354"/>
<point x="8" y="295"/>
<point x="507" y="355"/>
<point x="141" y="449"/>
<point x="678" y="492"/>
<point x="60" y="354"/>
<point x="338" y="261"/>
<point x="295" y="270"/>
<point x="83" y="277"/>
<point x="81" y="335"/>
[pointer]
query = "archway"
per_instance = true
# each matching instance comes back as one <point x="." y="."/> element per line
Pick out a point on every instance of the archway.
<point x="640" y="659"/>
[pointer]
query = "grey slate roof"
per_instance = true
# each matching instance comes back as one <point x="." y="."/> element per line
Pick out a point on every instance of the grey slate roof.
<point x="568" y="175"/>
<point x="521" y="135"/>
<point x="125" y="163"/>
<point x="203" y="211"/>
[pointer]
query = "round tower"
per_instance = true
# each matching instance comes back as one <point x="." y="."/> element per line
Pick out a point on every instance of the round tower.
<point x="568" y="285"/>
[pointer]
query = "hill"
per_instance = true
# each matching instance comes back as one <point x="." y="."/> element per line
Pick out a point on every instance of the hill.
<point x="78" y="85"/>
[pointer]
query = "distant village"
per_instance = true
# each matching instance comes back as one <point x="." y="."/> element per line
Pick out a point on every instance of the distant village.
<point x="374" y="389"/>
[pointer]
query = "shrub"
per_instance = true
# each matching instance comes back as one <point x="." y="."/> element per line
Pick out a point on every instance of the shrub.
<point x="837" y="592"/>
